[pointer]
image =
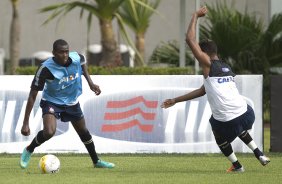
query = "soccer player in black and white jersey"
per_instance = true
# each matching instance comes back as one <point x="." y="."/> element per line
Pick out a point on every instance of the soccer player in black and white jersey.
<point x="231" y="116"/>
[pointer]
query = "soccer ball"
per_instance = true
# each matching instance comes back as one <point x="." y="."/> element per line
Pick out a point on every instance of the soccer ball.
<point x="49" y="164"/>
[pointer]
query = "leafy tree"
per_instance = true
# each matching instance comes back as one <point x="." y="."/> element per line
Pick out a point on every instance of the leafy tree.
<point x="14" y="38"/>
<point x="168" y="53"/>
<point x="237" y="36"/>
<point x="271" y="42"/>
<point x="139" y="23"/>
<point x="105" y="11"/>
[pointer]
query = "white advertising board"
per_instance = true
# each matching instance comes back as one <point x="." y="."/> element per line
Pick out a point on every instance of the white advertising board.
<point x="126" y="117"/>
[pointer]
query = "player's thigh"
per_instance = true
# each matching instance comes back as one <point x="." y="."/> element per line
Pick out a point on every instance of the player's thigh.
<point x="49" y="124"/>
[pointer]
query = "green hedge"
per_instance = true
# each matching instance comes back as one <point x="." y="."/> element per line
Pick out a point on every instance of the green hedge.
<point x="122" y="71"/>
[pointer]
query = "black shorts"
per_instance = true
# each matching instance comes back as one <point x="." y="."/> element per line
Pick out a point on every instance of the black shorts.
<point x="231" y="129"/>
<point x="63" y="112"/>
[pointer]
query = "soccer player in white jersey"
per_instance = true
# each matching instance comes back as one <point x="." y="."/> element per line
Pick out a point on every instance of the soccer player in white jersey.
<point x="231" y="116"/>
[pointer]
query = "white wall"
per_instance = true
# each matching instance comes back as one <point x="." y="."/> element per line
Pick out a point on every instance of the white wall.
<point x="275" y="7"/>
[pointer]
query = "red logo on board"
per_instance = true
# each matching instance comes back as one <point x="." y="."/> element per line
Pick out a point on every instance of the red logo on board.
<point x="121" y="116"/>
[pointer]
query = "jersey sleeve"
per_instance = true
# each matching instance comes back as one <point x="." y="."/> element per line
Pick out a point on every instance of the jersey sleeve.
<point x="42" y="74"/>
<point x="82" y="59"/>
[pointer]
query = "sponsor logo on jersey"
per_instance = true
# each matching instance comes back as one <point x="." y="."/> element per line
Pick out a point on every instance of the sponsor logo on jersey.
<point x="225" y="79"/>
<point x="225" y="69"/>
<point x="70" y="77"/>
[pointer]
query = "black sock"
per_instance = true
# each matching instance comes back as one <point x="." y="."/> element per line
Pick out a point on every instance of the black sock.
<point x="37" y="141"/>
<point x="258" y="153"/>
<point x="226" y="149"/>
<point x="246" y="138"/>
<point x="237" y="164"/>
<point x="86" y="138"/>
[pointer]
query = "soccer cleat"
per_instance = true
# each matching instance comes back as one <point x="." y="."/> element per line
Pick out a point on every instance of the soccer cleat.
<point x="25" y="158"/>
<point x="104" y="164"/>
<point x="235" y="170"/>
<point x="264" y="160"/>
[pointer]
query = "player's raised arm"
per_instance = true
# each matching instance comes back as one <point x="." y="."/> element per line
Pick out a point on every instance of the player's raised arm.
<point x="202" y="57"/>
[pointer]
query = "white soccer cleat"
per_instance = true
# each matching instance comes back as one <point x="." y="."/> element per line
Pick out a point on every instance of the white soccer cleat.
<point x="264" y="160"/>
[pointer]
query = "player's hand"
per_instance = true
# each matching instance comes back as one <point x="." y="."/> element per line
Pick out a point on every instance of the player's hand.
<point x="168" y="103"/>
<point x="96" y="89"/>
<point x="202" y="11"/>
<point x="25" y="130"/>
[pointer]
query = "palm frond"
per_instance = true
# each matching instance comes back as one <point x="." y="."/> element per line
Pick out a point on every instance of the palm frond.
<point x="168" y="52"/>
<point x="137" y="16"/>
<point x="62" y="9"/>
<point x="126" y="37"/>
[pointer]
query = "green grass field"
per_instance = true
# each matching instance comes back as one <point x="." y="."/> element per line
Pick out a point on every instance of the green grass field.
<point x="145" y="168"/>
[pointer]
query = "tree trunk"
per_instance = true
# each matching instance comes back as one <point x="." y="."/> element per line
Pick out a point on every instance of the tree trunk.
<point x="140" y="46"/>
<point x="110" y="53"/>
<point x="14" y="38"/>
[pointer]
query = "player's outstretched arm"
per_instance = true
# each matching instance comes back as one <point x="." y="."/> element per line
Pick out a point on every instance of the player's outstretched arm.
<point x="189" y="96"/>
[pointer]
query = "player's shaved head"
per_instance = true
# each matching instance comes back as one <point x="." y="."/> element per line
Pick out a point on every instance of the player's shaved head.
<point x="59" y="43"/>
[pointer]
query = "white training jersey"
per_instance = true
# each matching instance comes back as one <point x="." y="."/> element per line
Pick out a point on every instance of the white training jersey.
<point x="225" y="101"/>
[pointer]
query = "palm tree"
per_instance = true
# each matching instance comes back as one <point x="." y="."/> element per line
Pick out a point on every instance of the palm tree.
<point x="139" y="23"/>
<point x="105" y="11"/>
<point x="14" y="38"/>
<point x="237" y="36"/>
<point x="168" y="53"/>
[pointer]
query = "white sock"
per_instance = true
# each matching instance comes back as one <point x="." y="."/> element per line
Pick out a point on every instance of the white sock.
<point x="232" y="157"/>
<point x="252" y="145"/>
